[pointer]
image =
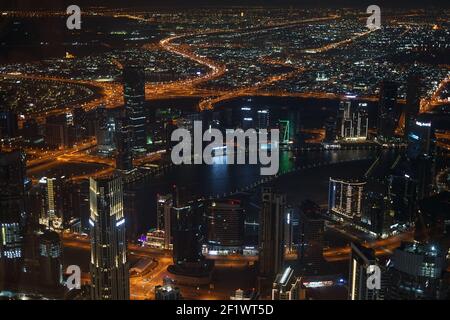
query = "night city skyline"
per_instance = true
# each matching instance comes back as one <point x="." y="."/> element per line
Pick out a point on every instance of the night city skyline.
<point x="251" y="151"/>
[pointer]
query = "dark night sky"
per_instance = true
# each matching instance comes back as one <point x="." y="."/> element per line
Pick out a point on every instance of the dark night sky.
<point x="60" y="4"/>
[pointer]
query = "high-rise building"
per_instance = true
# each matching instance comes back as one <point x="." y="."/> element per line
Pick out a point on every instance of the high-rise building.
<point x="345" y="199"/>
<point x="12" y="215"/>
<point x="387" y="113"/>
<point x="311" y="242"/>
<point x="361" y="259"/>
<point x="225" y="225"/>
<point x="50" y="260"/>
<point x="416" y="272"/>
<point x="164" y="213"/>
<point x="402" y="195"/>
<point x="412" y="107"/>
<point x="105" y="133"/>
<point x="8" y="124"/>
<point x="287" y="286"/>
<point x="109" y="266"/>
<point x="263" y="119"/>
<point x="134" y="91"/>
<point x="354" y="120"/>
<point x="124" y="155"/>
<point x="421" y="154"/>
<point x="330" y="130"/>
<point x="271" y="235"/>
<point x="376" y="216"/>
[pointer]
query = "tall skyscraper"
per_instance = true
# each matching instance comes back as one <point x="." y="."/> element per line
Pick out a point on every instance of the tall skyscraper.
<point x="134" y="91"/>
<point x="12" y="215"/>
<point x="163" y="216"/>
<point x="271" y="235"/>
<point x="421" y="154"/>
<point x="311" y="242"/>
<point x="8" y="124"/>
<point x="387" y="113"/>
<point x="124" y="156"/>
<point x="412" y="102"/>
<point x="354" y="120"/>
<point x="361" y="259"/>
<point x="109" y="266"/>
<point x="50" y="260"/>
<point x="225" y="225"/>
<point x="345" y="199"/>
<point x="416" y="272"/>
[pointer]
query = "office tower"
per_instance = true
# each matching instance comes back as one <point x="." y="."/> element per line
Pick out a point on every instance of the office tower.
<point x="56" y="205"/>
<point x="164" y="213"/>
<point x="8" y="124"/>
<point x="416" y="272"/>
<point x="290" y="221"/>
<point x="59" y="132"/>
<point x="354" y="120"/>
<point x="345" y="199"/>
<point x="286" y="133"/>
<point x="412" y="106"/>
<point x="311" y="242"/>
<point x="167" y="291"/>
<point x="105" y="132"/>
<point x="225" y="225"/>
<point x="361" y="259"/>
<point x="271" y="235"/>
<point x="134" y="91"/>
<point x="330" y="130"/>
<point x="421" y="154"/>
<point x="124" y="156"/>
<point x="246" y="118"/>
<point x="263" y="119"/>
<point x="387" y="113"/>
<point x="376" y="216"/>
<point x="287" y="286"/>
<point x="132" y="200"/>
<point x="50" y="264"/>
<point x="187" y="234"/>
<point x="12" y="215"/>
<point x="402" y="195"/>
<point x="109" y="266"/>
<point x="420" y="140"/>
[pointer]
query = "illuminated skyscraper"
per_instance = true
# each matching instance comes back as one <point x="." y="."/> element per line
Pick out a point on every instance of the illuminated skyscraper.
<point x="109" y="266"/>
<point x="134" y="91"/>
<point x="360" y="260"/>
<point x="124" y="156"/>
<point x="354" y="120"/>
<point x="416" y="272"/>
<point x="387" y="113"/>
<point x="50" y="260"/>
<point x="164" y="213"/>
<point x="271" y="235"/>
<point x="412" y="102"/>
<point x="345" y="199"/>
<point x="12" y="215"/>
<point x="225" y="225"/>
<point x="311" y="242"/>
<point x="421" y="154"/>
